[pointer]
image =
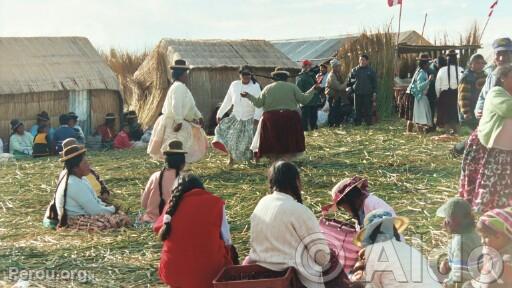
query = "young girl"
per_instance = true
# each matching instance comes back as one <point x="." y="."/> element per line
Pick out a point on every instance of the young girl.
<point x="352" y="195"/>
<point x="122" y="140"/>
<point x="158" y="189"/>
<point x="41" y="146"/>
<point x="402" y="265"/>
<point x="195" y="236"/>
<point x="459" y="222"/>
<point x="495" y="227"/>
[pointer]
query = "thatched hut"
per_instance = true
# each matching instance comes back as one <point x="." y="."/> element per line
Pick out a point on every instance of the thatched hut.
<point x="214" y="65"/>
<point x="58" y="75"/>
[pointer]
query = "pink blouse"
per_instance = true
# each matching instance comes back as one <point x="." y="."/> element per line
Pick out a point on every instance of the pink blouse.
<point x="150" y="199"/>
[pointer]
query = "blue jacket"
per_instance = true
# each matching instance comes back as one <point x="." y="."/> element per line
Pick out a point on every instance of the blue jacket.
<point x="61" y="134"/>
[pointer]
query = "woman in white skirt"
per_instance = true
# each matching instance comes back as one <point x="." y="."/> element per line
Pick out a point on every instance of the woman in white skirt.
<point x="422" y="115"/>
<point x="180" y="120"/>
<point x="235" y="133"/>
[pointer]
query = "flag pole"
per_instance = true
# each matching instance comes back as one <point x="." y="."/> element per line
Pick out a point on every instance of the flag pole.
<point x="398" y="39"/>
<point x="485" y="26"/>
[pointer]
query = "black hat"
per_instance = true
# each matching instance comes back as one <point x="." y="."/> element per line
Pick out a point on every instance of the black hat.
<point x="43" y="116"/>
<point x="424" y="57"/>
<point x="72" y="115"/>
<point x="244" y="69"/>
<point x="130" y="114"/>
<point x="15" y="123"/>
<point x="452" y="52"/>
<point x="175" y="147"/>
<point x="110" y="116"/>
<point x="180" y="64"/>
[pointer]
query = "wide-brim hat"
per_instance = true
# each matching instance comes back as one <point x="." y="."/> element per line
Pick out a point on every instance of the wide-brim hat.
<point x="280" y="71"/>
<point x="175" y="147"/>
<point x="73" y="115"/>
<point x="376" y="217"/>
<point x="452" y="52"/>
<point x="502" y="44"/>
<point x="424" y="57"/>
<point x="72" y="152"/>
<point x="130" y="115"/>
<point x="15" y="123"/>
<point x="110" y="116"/>
<point x="342" y="188"/>
<point x="179" y="64"/>
<point x="245" y="69"/>
<point x="43" y="116"/>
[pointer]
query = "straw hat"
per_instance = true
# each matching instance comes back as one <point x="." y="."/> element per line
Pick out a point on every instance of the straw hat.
<point x="280" y="70"/>
<point x="376" y="217"/>
<point x="180" y="64"/>
<point x="342" y="188"/>
<point x="175" y="147"/>
<point x="71" y="152"/>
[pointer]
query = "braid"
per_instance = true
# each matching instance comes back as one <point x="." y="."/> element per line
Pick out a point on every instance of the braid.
<point x="185" y="183"/>
<point x="161" y="205"/>
<point x="63" y="219"/>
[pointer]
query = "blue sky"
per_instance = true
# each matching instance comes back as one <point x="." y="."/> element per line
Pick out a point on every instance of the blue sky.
<point x="135" y="25"/>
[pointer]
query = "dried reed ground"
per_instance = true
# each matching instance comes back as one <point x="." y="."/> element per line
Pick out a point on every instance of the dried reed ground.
<point x="411" y="172"/>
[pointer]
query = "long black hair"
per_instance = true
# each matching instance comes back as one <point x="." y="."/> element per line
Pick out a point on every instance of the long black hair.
<point x="69" y="166"/>
<point x="283" y="177"/>
<point x="375" y="233"/>
<point x="452" y="60"/>
<point x="184" y="184"/>
<point x="172" y="161"/>
<point x="351" y="198"/>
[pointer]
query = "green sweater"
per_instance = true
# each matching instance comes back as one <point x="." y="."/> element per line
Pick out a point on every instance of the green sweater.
<point x="498" y="107"/>
<point x="281" y="96"/>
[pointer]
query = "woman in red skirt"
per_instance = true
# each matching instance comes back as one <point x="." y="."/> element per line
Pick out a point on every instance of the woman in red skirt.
<point x="280" y="133"/>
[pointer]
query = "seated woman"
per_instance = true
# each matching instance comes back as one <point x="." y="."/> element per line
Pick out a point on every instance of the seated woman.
<point x="20" y="143"/>
<point x="122" y="140"/>
<point x="94" y="179"/>
<point x="352" y="195"/>
<point x="75" y="204"/>
<point x="158" y="189"/>
<point x="403" y="266"/>
<point x="280" y="224"/>
<point x="107" y="130"/>
<point x="193" y="254"/>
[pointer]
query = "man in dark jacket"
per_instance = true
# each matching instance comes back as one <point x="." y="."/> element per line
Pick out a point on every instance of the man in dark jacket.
<point x="363" y="82"/>
<point x="305" y="80"/>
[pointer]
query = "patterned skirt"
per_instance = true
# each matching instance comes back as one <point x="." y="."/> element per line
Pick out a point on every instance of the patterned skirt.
<point x="235" y="136"/>
<point x="486" y="176"/>
<point x="99" y="222"/>
<point x="447" y="111"/>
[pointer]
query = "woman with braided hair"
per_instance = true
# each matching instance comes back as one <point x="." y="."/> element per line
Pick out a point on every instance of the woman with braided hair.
<point x="75" y="204"/>
<point x="195" y="236"/>
<point x="158" y="189"/>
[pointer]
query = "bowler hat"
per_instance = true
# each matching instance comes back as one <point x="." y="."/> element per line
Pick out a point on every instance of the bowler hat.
<point x="180" y="64"/>
<point x="175" y="147"/>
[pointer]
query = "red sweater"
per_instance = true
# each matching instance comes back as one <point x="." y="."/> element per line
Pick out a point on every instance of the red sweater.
<point x="194" y="254"/>
<point x="122" y="141"/>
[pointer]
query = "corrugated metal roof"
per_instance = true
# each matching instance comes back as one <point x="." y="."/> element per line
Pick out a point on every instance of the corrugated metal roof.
<point x="321" y="49"/>
<point x="38" y="64"/>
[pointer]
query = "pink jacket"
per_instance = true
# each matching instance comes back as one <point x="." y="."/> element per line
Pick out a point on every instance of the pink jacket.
<point x="150" y="198"/>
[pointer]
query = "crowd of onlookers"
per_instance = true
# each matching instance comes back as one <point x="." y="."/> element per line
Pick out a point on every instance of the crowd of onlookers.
<point x="44" y="140"/>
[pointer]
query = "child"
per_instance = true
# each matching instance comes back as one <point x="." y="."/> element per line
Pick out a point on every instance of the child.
<point x="122" y="140"/>
<point x="41" y="146"/>
<point x="460" y="223"/>
<point x="495" y="228"/>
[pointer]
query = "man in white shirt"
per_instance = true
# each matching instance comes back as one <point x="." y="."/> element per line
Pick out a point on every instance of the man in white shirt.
<point x="234" y="134"/>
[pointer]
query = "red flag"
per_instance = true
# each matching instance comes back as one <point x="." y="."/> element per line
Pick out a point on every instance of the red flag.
<point x="392" y="3"/>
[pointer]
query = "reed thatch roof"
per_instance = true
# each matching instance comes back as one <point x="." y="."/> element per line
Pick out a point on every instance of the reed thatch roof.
<point x="39" y="64"/>
<point x="226" y="53"/>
